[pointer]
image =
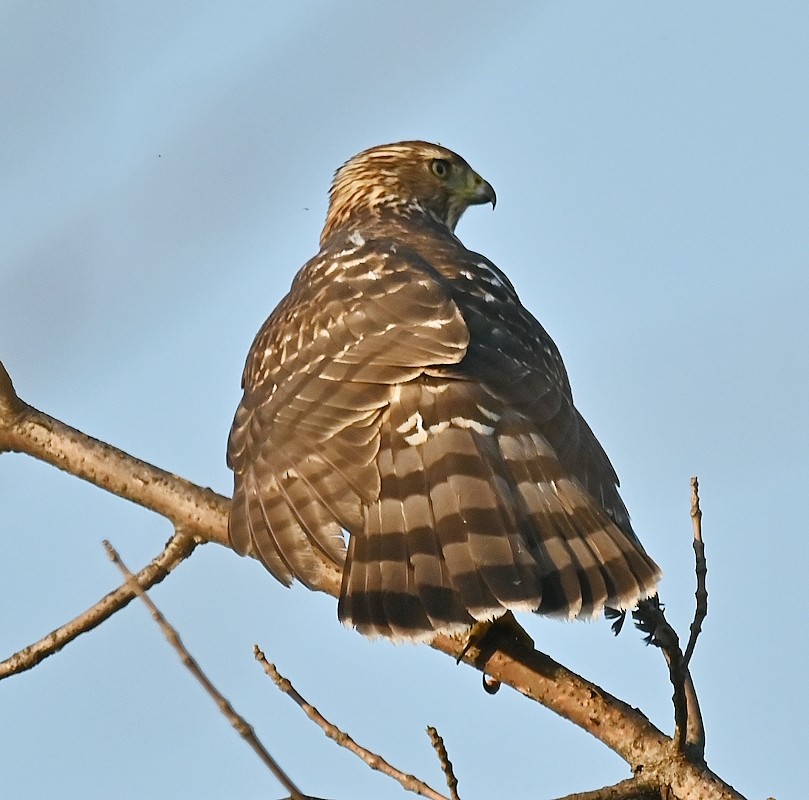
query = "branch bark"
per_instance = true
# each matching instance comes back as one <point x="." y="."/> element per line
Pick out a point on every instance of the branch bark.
<point x="203" y="514"/>
<point x="197" y="511"/>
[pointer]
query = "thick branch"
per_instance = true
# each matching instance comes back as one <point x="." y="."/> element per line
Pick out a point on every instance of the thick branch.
<point x="204" y="514"/>
<point x="630" y="789"/>
<point x="23" y="429"/>
<point x="536" y="675"/>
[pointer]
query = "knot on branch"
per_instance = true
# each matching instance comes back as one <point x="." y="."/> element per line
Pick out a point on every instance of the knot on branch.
<point x="11" y="407"/>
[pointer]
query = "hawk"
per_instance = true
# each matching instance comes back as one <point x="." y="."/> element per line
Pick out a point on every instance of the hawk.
<point x="401" y="393"/>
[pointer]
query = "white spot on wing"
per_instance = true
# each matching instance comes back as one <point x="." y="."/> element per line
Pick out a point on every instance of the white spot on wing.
<point x="490" y="276"/>
<point x="417" y="438"/>
<point x="478" y="427"/>
<point x="415" y="420"/>
<point x="488" y="414"/>
<point x="420" y="434"/>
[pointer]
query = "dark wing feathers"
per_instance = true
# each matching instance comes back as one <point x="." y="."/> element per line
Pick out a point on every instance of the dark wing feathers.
<point x="306" y="437"/>
<point x="421" y="408"/>
<point x="511" y="352"/>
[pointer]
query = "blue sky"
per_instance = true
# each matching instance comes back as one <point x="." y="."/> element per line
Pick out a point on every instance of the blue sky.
<point x="165" y="169"/>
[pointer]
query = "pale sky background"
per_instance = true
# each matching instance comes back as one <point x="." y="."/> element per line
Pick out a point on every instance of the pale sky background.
<point x="164" y="169"/>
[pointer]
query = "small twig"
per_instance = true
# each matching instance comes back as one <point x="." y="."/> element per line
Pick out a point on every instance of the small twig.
<point x="242" y="727"/>
<point x="689" y="729"/>
<point x="177" y="549"/>
<point x="650" y="618"/>
<point x="446" y="765"/>
<point x="374" y="761"/>
<point x="689" y="733"/>
<point x="701" y="609"/>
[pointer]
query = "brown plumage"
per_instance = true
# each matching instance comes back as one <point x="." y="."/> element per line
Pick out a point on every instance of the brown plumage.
<point x="400" y="392"/>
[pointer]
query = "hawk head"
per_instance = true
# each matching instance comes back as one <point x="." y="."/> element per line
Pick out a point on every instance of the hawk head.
<point x="406" y="178"/>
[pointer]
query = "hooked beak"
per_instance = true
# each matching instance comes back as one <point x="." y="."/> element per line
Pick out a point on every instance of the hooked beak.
<point x="482" y="192"/>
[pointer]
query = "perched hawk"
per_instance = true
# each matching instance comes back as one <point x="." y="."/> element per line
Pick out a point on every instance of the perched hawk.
<point x="400" y="392"/>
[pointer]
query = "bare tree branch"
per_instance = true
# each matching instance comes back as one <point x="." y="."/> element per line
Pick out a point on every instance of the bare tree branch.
<point x="701" y="606"/>
<point x="199" y="512"/>
<point x="443" y="758"/>
<point x="629" y="789"/>
<point x="242" y="727"/>
<point x="689" y="727"/>
<point x="374" y="761"/>
<point x="650" y="618"/>
<point x="24" y="429"/>
<point x="203" y="514"/>
<point x="536" y="675"/>
<point x="623" y="729"/>
<point x="177" y="549"/>
<point x="695" y="730"/>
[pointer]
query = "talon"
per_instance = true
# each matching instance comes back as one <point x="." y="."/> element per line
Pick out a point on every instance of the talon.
<point x="474" y="637"/>
<point x="506" y="625"/>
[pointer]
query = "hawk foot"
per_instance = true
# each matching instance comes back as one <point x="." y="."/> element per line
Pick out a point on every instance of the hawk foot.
<point x="484" y="636"/>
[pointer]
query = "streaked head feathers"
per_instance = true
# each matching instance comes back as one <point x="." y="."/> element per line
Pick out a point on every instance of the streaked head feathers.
<point x="405" y="178"/>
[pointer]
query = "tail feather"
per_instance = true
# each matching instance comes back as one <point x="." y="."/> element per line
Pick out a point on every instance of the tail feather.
<point x="431" y="580"/>
<point x="522" y="589"/>
<point x="549" y="530"/>
<point x="475" y="516"/>
<point x="361" y="598"/>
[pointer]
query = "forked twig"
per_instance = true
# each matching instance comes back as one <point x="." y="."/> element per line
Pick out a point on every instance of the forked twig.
<point x="374" y="761"/>
<point x="689" y="733"/>
<point x="650" y="618"/>
<point x="177" y="549"/>
<point x="242" y="727"/>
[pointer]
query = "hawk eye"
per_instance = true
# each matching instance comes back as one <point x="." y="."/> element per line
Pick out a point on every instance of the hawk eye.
<point x="440" y="167"/>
